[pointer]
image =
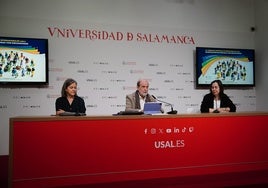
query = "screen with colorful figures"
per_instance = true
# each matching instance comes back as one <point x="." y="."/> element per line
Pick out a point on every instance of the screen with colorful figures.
<point x="23" y="61"/>
<point x="234" y="67"/>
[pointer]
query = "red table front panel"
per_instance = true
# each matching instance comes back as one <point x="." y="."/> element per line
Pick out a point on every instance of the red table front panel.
<point x="69" y="152"/>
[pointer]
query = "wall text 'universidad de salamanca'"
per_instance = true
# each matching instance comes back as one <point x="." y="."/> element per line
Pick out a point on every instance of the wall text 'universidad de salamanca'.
<point x="120" y="36"/>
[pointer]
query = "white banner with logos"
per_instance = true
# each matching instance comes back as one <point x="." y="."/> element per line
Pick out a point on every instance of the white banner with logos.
<point x="107" y="61"/>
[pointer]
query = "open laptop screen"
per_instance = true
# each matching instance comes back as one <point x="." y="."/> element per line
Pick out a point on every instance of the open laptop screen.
<point x="152" y="107"/>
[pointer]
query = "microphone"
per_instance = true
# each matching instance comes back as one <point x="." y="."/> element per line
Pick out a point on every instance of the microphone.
<point x="170" y="112"/>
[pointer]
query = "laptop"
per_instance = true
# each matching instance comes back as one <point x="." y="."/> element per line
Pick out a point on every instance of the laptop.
<point x="129" y="112"/>
<point x="152" y="108"/>
<point x="72" y="114"/>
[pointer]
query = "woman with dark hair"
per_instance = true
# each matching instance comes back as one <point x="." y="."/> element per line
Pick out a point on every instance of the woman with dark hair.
<point x="217" y="101"/>
<point x="69" y="101"/>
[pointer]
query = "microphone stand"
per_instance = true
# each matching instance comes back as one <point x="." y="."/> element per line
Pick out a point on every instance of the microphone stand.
<point x="172" y="110"/>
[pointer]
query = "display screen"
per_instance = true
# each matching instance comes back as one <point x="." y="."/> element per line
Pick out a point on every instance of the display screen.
<point x="23" y="61"/>
<point x="234" y="67"/>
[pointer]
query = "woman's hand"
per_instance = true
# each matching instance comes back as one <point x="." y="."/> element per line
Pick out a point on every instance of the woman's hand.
<point x="219" y="110"/>
<point x="225" y="109"/>
<point x="59" y="111"/>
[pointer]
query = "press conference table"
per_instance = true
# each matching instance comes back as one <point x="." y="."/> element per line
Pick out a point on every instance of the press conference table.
<point x="54" y="151"/>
